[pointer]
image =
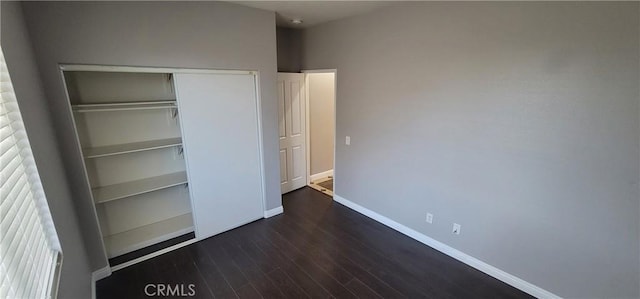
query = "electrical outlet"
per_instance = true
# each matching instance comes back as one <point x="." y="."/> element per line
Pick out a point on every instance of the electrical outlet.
<point x="429" y="218"/>
<point x="347" y="140"/>
<point x="456" y="229"/>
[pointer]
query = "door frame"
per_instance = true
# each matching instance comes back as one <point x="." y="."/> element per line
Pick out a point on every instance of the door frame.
<point x="335" y="123"/>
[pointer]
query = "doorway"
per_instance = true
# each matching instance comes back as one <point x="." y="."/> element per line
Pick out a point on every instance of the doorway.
<point x="306" y="113"/>
<point x="321" y="92"/>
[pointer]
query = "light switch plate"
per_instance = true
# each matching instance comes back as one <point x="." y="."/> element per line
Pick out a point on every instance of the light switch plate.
<point x="347" y="140"/>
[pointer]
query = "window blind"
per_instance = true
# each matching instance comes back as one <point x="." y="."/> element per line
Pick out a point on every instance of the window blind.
<point x="30" y="252"/>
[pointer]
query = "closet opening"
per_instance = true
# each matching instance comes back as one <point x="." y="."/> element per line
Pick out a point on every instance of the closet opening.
<point x="128" y="129"/>
<point x="146" y="164"/>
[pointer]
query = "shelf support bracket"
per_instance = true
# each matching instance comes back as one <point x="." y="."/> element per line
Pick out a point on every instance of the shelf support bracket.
<point x="174" y="112"/>
<point x="179" y="152"/>
<point x="172" y="116"/>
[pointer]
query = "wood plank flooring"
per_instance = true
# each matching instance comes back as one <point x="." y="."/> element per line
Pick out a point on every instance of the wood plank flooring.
<point x="316" y="249"/>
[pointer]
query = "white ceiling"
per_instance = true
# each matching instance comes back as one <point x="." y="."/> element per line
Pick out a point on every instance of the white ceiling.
<point x="313" y="12"/>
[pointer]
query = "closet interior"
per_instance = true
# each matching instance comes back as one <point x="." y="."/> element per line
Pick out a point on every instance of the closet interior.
<point x="128" y="127"/>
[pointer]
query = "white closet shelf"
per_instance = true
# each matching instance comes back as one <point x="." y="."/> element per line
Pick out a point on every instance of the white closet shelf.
<point x="110" y="150"/>
<point x="127" y="189"/>
<point x="121" y="243"/>
<point x="103" y="107"/>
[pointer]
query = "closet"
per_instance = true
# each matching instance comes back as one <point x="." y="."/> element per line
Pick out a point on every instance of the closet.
<point x="167" y="152"/>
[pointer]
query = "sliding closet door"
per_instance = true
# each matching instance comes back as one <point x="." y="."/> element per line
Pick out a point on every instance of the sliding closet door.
<point x="218" y="114"/>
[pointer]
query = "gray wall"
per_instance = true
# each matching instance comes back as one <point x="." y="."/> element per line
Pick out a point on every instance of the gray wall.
<point x="321" y="121"/>
<point x="76" y="273"/>
<point x="289" y="44"/>
<point x="214" y="35"/>
<point x="520" y="121"/>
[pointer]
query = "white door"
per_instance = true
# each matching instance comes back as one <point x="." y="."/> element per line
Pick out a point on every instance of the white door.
<point x="291" y="115"/>
<point x="219" y="120"/>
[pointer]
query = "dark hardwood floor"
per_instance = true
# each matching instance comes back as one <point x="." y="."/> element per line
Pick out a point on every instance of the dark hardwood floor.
<point x="316" y="249"/>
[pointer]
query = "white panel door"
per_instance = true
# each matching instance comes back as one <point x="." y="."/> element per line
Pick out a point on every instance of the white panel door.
<point x="218" y="115"/>
<point x="291" y="115"/>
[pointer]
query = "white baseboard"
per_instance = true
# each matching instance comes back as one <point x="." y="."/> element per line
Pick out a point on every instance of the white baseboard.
<point x="273" y="212"/>
<point x="97" y="275"/>
<point x="321" y="175"/>
<point x="507" y="278"/>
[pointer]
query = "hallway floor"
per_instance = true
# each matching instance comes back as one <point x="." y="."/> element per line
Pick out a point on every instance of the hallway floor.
<point x="316" y="249"/>
<point x="324" y="185"/>
<point x="328" y="184"/>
